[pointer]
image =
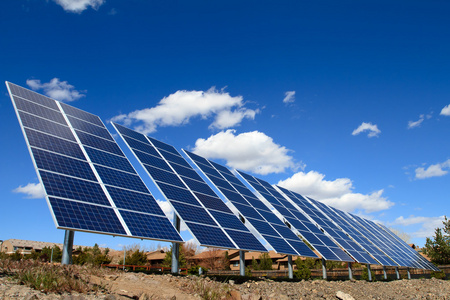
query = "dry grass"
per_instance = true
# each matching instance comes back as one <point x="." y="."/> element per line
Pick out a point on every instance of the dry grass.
<point x="52" y="277"/>
<point x="209" y="290"/>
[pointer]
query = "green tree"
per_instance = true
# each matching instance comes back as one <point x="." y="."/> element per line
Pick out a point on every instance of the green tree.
<point x="265" y="262"/>
<point x="167" y="262"/>
<point x="136" y="258"/>
<point x="303" y="268"/>
<point x="437" y="248"/>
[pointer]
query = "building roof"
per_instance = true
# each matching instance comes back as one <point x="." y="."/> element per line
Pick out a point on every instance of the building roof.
<point x="156" y="255"/>
<point x="250" y="255"/>
<point x="36" y="245"/>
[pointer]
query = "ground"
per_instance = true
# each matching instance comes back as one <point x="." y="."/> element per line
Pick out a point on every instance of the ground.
<point x="121" y="285"/>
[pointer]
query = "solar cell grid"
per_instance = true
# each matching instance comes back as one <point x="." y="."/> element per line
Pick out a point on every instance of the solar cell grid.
<point x="193" y="209"/>
<point x="73" y="174"/>
<point x="244" y="207"/>
<point x="309" y="231"/>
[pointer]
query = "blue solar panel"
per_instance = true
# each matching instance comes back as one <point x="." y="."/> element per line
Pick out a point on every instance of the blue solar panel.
<point x="54" y="144"/>
<point x="245" y="240"/>
<point x="83" y="216"/>
<point x="218" y="176"/>
<point x="62" y="164"/>
<point x="39" y="110"/>
<point x="45" y="126"/>
<point x="82" y="170"/>
<point x="193" y="200"/>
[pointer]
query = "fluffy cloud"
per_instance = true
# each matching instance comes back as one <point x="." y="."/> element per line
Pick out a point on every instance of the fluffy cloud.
<point x="250" y="151"/>
<point x="56" y="89"/>
<point x="289" y="97"/>
<point x="446" y="111"/>
<point x="32" y="190"/>
<point x="433" y="170"/>
<point x="372" y="129"/>
<point x="428" y="224"/>
<point x="78" y="6"/>
<point x="337" y="193"/>
<point x="178" y="108"/>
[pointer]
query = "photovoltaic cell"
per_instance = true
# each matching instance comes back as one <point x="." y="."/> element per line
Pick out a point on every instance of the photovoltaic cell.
<point x="84" y="172"/>
<point x="263" y="220"/>
<point x="210" y="221"/>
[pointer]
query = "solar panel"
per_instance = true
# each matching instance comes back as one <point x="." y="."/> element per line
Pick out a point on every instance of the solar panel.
<point x="314" y="236"/>
<point x="349" y="230"/>
<point x="89" y="184"/>
<point x="209" y="220"/>
<point x="415" y="255"/>
<point x="269" y="226"/>
<point x="402" y="250"/>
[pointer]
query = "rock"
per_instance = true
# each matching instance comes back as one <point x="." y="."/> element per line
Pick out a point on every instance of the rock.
<point x="344" y="296"/>
<point x="235" y="295"/>
<point x="231" y="282"/>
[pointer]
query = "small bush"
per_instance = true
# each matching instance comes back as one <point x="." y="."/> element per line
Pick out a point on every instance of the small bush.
<point x="438" y="275"/>
<point x="365" y="275"/>
<point x="303" y="273"/>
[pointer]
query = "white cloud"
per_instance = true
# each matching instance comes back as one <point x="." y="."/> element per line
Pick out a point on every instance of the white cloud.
<point x="435" y="170"/>
<point x="289" y="97"/>
<point x="56" y="89"/>
<point x="428" y="224"/>
<point x="32" y="190"/>
<point x="413" y="124"/>
<point x="178" y="108"/>
<point x="337" y="193"/>
<point x="372" y="129"/>
<point x="78" y="6"/>
<point x="446" y="111"/>
<point x="250" y="151"/>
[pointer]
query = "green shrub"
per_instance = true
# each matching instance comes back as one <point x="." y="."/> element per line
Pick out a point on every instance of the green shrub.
<point x="438" y="275"/>
<point x="365" y="275"/>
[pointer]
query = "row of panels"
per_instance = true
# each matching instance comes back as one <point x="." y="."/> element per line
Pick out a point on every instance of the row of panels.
<point x="91" y="186"/>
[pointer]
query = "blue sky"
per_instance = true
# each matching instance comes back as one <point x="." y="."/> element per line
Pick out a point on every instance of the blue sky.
<point x="348" y="102"/>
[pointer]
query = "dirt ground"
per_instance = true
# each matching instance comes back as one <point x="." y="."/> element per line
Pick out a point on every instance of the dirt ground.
<point x="142" y="286"/>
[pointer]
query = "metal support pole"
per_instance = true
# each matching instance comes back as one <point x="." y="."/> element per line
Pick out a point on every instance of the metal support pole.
<point x="369" y="272"/>
<point x="290" y="268"/>
<point x="324" y="269"/>
<point x="409" y="273"/>
<point x="350" y="272"/>
<point x="51" y="256"/>
<point x="124" y="257"/>
<point x="397" y="272"/>
<point x="176" y="247"/>
<point x="67" y="247"/>
<point x="241" y="263"/>
<point x="384" y="273"/>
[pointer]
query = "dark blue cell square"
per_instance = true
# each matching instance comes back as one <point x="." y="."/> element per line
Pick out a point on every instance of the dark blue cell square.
<point x="163" y="146"/>
<point x="99" y="143"/>
<point x="82" y="216"/>
<point x="151" y="227"/>
<point x="246" y="241"/>
<point x="280" y="245"/>
<point x="263" y="228"/>
<point x="285" y="232"/>
<point x="270" y="217"/>
<point x="175" y="158"/>
<point x="46" y="126"/>
<point x="186" y="172"/>
<point x="178" y="194"/>
<point x="197" y="214"/>
<point x="153" y="161"/>
<point x="302" y="248"/>
<point x="197" y="158"/>
<point x="164" y="176"/>
<point x="131" y="133"/>
<point x="39" y="110"/>
<point x="32" y="96"/>
<point x="199" y="187"/>
<point x="100" y="131"/>
<point x="141" y="146"/>
<point x="54" y="144"/>
<point x="109" y="160"/>
<point x="212" y="202"/>
<point x="248" y="211"/>
<point x="233" y="197"/>
<point x="121" y="179"/>
<point x="72" y="188"/>
<point x="326" y="253"/>
<point x="80" y="114"/>
<point x="228" y="221"/>
<point x="135" y="201"/>
<point x="210" y="236"/>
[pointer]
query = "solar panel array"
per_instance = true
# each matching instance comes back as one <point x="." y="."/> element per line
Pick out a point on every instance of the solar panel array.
<point x="346" y="227"/>
<point x="414" y="254"/>
<point x="269" y="226"/>
<point x="298" y="219"/>
<point x="89" y="184"/>
<point x="205" y="214"/>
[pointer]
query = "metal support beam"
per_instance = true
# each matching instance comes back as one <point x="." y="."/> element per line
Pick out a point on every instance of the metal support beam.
<point x="290" y="268"/>
<point x="241" y="263"/>
<point x="67" y="247"/>
<point x="176" y="247"/>
<point x="350" y="272"/>
<point x="397" y="272"/>
<point x="369" y="272"/>
<point x="324" y="269"/>
<point x="384" y="273"/>
<point x="409" y="273"/>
